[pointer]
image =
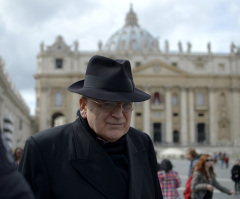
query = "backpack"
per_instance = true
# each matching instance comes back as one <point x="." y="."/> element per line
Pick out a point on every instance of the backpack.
<point x="187" y="192"/>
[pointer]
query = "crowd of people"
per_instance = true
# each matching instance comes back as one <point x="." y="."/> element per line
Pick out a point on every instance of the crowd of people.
<point x="223" y="159"/>
<point x="99" y="155"/>
<point x="201" y="177"/>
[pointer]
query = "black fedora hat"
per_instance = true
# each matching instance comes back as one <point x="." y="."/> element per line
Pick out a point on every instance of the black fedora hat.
<point x="110" y="80"/>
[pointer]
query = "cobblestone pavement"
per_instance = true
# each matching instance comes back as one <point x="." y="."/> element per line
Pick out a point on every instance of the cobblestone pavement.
<point x="223" y="177"/>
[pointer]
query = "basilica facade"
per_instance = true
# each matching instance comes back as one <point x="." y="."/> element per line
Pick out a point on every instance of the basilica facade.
<point x="15" y="120"/>
<point x="195" y="96"/>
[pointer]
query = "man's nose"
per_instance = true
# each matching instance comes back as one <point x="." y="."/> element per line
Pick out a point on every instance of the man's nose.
<point x="118" y="111"/>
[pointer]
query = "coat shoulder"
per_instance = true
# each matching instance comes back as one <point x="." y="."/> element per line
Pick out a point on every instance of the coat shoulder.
<point x="140" y="139"/>
<point x="138" y="136"/>
<point x="52" y="134"/>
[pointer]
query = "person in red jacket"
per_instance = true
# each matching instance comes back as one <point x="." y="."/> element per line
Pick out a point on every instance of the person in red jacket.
<point x="226" y="160"/>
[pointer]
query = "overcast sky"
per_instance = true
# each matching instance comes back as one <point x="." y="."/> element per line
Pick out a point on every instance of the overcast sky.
<point x="24" y="24"/>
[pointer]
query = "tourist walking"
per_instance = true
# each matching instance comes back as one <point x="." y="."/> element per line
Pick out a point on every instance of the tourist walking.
<point x="204" y="179"/>
<point x="17" y="155"/>
<point x="169" y="180"/>
<point x="193" y="157"/>
<point x="235" y="171"/>
<point x="226" y="160"/>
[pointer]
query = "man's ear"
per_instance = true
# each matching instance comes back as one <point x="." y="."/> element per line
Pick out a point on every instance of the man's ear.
<point x="83" y="107"/>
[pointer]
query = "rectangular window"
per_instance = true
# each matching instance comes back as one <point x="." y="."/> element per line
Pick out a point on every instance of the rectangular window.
<point x="157" y="133"/>
<point x="199" y="66"/>
<point x="200" y="99"/>
<point x="201" y="134"/>
<point x="175" y="114"/>
<point x="175" y="100"/>
<point x="58" y="99"/>
<point x="59" y="63"/>
<point x="138" y="114"/>
<point x="221" y="67"/>
<point x="20" y="124"/>
<point x="138" y="64"/>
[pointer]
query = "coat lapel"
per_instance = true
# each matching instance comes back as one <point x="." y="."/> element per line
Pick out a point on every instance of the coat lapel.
<point x="136" y="169"/>
<point x="91" y="162"/>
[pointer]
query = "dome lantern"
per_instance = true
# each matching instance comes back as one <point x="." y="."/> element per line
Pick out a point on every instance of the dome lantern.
<point x="131" y="19"/>
<point x="131" y="37"/>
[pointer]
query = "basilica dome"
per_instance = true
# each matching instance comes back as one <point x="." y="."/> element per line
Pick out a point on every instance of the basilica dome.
<point x="131" y="37"/>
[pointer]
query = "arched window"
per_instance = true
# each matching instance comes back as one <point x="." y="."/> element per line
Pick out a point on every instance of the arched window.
<point x="58" y="119"/>
<point x="200" y="99"/>
<point x="157" y="98"/>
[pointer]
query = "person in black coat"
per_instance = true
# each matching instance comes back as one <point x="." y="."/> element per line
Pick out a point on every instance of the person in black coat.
<point x="235" y="171"/>
<point x="12" y="183"/>
<point x="98" y="155"/>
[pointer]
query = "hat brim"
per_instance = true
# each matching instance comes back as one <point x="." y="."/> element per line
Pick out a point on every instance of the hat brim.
<point x="109" y="95"/>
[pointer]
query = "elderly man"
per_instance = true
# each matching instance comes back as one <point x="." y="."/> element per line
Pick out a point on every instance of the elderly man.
<point x="99" y="155"/>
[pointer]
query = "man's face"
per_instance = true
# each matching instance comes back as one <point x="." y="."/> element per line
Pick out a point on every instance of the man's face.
<point x="108" y="125"/>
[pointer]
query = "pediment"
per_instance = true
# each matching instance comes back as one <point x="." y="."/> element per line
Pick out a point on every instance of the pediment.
<point x="158" y="67"/>
<point x="59" y="46"/>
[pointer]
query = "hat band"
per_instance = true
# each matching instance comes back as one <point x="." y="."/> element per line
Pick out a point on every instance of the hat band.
<point x="119" y="84"/>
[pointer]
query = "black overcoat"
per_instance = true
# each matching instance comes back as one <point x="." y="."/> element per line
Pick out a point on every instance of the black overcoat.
<point x="66" y="162"/>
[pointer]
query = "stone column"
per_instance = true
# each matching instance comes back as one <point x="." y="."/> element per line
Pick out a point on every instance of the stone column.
<point x="133" y="119"/>
<point x="212" y="117"/>
<point x="191" y="117"/>
<point x="184" y="136"/>
<point x="146" y="117"/>
<point x="168" y="104"/>
<point x="1" y="110"/>
<point x="235" y="107"/>
<point x="43" y="117"/>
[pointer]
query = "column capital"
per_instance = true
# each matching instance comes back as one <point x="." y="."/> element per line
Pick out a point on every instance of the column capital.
<point x="184" y="88"/>
<point x="44" y="89"/>
<point x="212" y="88"/>
<point x="167" y="88"/>
<point x="235" y="89"/>
<point x="146" y="87"/>
<point x="190" y="88"/>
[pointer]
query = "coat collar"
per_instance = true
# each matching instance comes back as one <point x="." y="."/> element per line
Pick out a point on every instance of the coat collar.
<point x="136" y="165"/>
<point x="91" y="161"/>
